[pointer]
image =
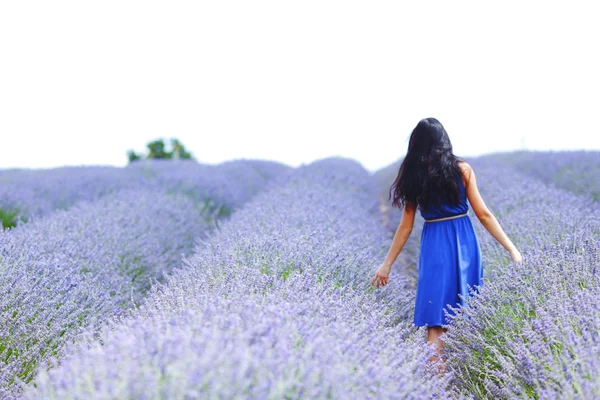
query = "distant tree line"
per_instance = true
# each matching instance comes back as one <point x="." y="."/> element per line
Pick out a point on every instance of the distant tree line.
<point x="157" y="150"/>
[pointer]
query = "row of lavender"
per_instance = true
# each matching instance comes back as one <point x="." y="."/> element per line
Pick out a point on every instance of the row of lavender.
<point x="275" y="304"/>
<point x="532" y="330"/>
<point x="77" y="268"/>
<point x="576" y="171"/>
<point x="26" y="193"/>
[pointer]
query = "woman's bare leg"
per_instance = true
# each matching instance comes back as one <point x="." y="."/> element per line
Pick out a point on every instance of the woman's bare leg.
<point x="433" y="336"/>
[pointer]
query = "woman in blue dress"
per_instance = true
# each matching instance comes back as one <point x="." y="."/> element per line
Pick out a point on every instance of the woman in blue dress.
<point x="434" y="180"/>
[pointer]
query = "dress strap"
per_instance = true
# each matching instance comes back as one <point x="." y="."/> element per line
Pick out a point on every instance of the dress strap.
<point x="443" y="219"/>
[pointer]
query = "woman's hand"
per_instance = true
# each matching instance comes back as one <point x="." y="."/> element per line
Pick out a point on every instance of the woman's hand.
<point x="515" y="255"/>
<point x="381" y="275"/>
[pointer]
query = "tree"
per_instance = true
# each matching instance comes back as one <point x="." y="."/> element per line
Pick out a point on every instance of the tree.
<point x="179" y="152"/>
<point x="156" y="150"/>
<point x="133" y="156"/>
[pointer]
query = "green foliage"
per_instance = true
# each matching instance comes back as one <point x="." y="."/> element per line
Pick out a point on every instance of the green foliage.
<point x="9" y="218"/>
<point x="286" y="272"/>
<point x="133" y="156"/>
<point x="178" y="151"/>
<point x="158" y="150"/>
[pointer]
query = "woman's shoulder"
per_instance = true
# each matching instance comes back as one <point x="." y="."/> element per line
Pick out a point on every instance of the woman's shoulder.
<point x="464" y="166"/>
<point x="465" y="169"/>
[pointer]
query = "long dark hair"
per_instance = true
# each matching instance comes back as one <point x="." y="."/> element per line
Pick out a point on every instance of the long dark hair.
<point x="429" y="163"/>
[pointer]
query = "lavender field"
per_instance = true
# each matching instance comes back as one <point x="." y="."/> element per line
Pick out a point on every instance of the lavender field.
<point x="250" y="280"/>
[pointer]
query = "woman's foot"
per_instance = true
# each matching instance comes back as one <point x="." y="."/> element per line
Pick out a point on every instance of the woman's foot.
<point x="441" y="365"/>
<point x="442" y="368"/>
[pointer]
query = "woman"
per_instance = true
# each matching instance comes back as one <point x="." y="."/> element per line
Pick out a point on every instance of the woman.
<point x="437" y="182"/>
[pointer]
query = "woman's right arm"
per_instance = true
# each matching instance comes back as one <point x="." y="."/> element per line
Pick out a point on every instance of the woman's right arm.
<point x="484" y="215"/>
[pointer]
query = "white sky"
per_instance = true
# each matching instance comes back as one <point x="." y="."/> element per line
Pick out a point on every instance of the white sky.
<point x="81" y="82"/>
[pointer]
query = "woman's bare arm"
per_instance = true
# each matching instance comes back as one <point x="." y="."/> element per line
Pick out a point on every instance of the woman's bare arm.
<point x="402" y="234"/>
<point x="400" y="238"/>
<point x="484" y="215"/>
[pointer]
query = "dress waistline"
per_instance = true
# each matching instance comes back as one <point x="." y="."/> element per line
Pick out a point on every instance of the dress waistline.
<point x="443" y="219"/>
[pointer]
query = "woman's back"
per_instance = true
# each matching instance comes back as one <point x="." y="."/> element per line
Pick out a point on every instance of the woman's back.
<point x="446" y="209"/>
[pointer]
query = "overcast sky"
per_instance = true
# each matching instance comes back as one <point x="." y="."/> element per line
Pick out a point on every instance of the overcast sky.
<point x="82" y="82"/>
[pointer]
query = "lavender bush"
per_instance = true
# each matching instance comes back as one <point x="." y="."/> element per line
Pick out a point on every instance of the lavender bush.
<point x="276" y="304"/>
<point x="527" y="334"/>
<point x="77" y="267"/>
<point x="534" y="213"/>
<point x="576" y="171"/>
<point x="25" y="193"/>
<point x="523" y="335"/>
<point x="222" y="187"/>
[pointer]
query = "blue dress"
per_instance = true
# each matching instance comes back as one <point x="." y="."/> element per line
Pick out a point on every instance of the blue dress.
<point x="449" y="259"/>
